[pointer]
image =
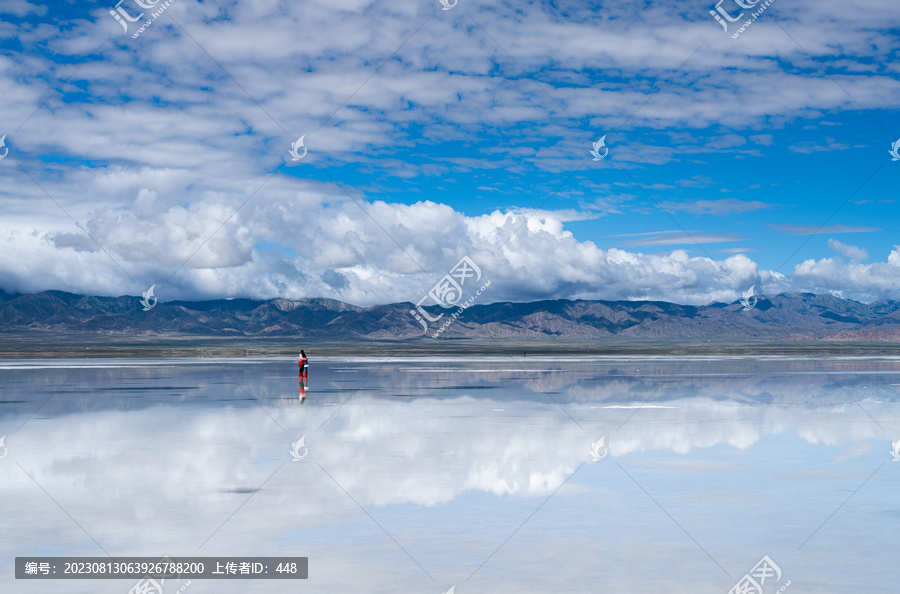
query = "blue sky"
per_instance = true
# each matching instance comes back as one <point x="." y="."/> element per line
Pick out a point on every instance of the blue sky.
<point x="433" y="134"/>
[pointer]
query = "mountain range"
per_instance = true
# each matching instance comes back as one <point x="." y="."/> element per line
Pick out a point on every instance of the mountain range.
<point x="800" y="316"/>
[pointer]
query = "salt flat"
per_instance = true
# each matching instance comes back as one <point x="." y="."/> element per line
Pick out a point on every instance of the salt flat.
<point x="489" y="474"/>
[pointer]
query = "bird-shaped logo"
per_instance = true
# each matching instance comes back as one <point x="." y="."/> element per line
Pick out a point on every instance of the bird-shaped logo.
<point x="2" y="445"/>
<point x="447" y="6"/>
<point x="296" y="446"/>
<point x="894" y="150"/>
<point x="148" y="295"/>
<point x="6" y="149"/>
<point x="895" y="452"/>
<point x="749" y="299"/>
<point x="600" y="144"/>
<point x="599" y="449"/>
<point x="298" y="144"/>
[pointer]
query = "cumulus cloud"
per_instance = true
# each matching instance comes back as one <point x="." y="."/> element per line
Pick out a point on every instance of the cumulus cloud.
<point x="850" y="252"/>
<point x="851" y="279"/>
<point x="376" y="252"/>
<point x="364" y="253"/>
<point x="160" y="149"/>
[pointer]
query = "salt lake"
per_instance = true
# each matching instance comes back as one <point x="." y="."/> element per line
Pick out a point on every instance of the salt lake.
<point x="482" y="474"/>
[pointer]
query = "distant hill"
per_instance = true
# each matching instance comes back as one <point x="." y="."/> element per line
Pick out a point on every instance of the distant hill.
<point x="802" y="316"/>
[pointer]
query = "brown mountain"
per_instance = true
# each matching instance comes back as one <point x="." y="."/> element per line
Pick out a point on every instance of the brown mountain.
<point x="802" y="316"/>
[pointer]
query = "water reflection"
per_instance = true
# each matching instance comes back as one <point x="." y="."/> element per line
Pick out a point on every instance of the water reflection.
<point x="447" y="458"/>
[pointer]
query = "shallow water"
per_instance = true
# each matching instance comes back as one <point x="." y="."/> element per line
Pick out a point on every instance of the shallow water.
<point x="427" y="473"/>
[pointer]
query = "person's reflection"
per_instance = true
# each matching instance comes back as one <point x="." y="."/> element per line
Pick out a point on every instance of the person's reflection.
<point x="304" y="389"/>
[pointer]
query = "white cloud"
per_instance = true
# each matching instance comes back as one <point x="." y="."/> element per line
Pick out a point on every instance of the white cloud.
<point x="823" y="229"/>
<point x="151" y="146"/>
<point x="850" y="252"/>
<point x="717" y="207"/>
<point x="21" y="8"/>
<point x="851" y="279"/>
<point x="380" y="252"/>
<point x="377" y="252"/>
<point x="684" y="238"/>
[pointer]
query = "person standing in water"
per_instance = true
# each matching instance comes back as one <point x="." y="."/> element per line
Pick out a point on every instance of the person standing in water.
<point x="304" y="367"/>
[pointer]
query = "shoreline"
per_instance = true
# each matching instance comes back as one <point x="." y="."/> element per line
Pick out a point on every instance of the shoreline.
<point x="45" y="345"/>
